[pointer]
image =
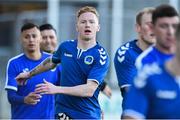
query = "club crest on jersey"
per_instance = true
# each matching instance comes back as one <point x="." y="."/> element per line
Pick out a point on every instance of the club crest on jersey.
<point x="88" y="60"/>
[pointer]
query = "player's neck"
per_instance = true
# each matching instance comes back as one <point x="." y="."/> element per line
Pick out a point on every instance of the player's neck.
<point x="35" y="55"/>
<point x="170" y="50"/>
<point x="84" y="44"/>
<point x="173" y="66"/>
<point x="142" y="45"/>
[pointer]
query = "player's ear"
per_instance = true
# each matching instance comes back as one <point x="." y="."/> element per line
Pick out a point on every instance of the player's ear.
<point x="21" y="38"/>
<point x="138" y="28"/>
<point x="40" y="37"/>
<point x="151" y="26"/>
<point x="98" y="27"/>
<point x="77" y="27"/>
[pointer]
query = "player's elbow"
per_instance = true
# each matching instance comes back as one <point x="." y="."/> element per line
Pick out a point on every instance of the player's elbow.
<point x="90" y="92"/>
<point x="10" y="99"/>
<point x="90" y="88"/>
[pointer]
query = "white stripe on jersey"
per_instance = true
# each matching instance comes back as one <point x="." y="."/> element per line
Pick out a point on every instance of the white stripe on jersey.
<point x="7" y="86"/>
<point x="138" y="62"/>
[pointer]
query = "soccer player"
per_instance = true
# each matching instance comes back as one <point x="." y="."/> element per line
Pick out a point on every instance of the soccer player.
<point x="156" y="93"/>
<point x="84" y="66"/>
<point x="165" y="19"/>
<point x="49" y="44"/>
<point x="126" y="55"/>
<point x="25" y="102"/>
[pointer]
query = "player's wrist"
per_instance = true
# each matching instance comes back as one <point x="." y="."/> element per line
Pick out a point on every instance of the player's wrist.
<point x="26" y="100"/>
<point x="103" y="86"/>
<point x="30" y="74"/>
<point x="59" y="90"/>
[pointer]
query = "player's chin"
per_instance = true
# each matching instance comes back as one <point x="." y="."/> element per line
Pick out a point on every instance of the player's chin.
<point x="31" y="50"/>
<point x="87" y="38"/>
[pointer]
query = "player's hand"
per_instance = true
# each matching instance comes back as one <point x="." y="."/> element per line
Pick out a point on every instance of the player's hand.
<point x="22" y="78"/>
<point x="107" y="91"/>
<point x="46" y="88"/>
<point x="32" y="98"/>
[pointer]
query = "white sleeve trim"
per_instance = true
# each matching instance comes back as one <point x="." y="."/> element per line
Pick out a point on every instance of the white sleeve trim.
<point x="7" y="77"/>
<point x="11" y="87"/>
<point x="133" y="114"/>
<point x="125" y="85"/>
<point x="94" y="80"/>
<point x="138" y="62"/>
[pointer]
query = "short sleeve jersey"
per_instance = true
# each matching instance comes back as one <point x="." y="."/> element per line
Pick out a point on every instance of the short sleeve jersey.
<point x="124" y="63"/>
<point x="45" y="108"/>
<point x="78" y="66"/>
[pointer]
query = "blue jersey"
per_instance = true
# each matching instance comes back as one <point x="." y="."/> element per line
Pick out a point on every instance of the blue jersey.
<point x="151" y="55"/>
<point x="155" y="94"/>
<point x="43" y="109"/>
<point x="58" y="75"/>
<point x="78" y="66"/>
<point x="124" y="62"/>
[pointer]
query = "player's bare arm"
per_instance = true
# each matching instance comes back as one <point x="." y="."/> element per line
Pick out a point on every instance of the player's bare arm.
<point x="84" y="90"/>
<point x="42" y="67"/>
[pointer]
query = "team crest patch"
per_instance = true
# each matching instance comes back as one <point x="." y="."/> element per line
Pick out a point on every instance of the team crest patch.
<point x="88" y="60"/>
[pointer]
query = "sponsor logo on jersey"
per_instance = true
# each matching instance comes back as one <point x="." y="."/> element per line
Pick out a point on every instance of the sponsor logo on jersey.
<point x="166" y="94"/>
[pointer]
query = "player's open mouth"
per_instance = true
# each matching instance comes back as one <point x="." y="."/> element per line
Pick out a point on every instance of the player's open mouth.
<point x="87" y="31"/>
<point x="31" y="45"/>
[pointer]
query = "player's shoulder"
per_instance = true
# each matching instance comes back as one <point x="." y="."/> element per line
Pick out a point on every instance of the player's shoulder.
<point x="16" y="58"/>
<point x="100" y="50"/>
<point x="124" y="52"/>
<point x="100" y="54"/>
<point x="144" y="57"/>
<point x="68" y="42"/>
<point x="46" y="54"/>
<point x="146" y="74"/>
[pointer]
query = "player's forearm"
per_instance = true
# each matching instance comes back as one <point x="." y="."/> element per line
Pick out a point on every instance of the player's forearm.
<point x="81" y="90"/>
<point x="47" y="64"/>
<point x="14" y="98"/>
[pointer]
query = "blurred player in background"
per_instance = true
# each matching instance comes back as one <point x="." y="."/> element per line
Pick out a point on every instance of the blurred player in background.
<point x="154" y="93"/>
<point x="49" y="38"/>
<point x="126" y="55"/>
<point x="165" y="20"/>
